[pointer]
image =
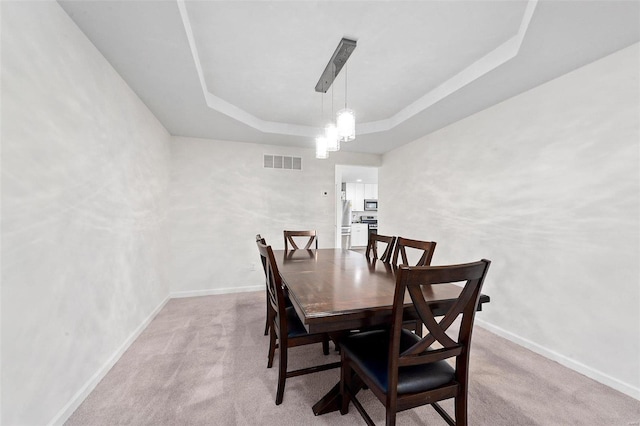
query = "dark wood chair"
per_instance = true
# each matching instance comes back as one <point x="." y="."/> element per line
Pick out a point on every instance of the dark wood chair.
<point x="286" y="329"/>
<point x="405" y="371"/>
<point x="400" y="258"/>
<point x="372" y="247"/>
<point x="289" y="239"/>
<point x="268" y="321"/>
<point x="427" y="248"/>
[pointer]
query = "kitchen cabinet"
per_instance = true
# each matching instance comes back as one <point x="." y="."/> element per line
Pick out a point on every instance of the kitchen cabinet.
<point x="359" y="234"/>
<point x="355" y="193"/>
<point x="358" y="192"/>
<point x="350" y="193"/>
<point x="370" y="191"/>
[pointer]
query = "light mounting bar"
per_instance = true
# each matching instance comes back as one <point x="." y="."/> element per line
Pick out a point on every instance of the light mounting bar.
<point x="337" y="61"/>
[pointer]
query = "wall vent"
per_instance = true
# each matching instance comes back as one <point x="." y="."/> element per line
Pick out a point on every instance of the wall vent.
<point x="282" y="162"/>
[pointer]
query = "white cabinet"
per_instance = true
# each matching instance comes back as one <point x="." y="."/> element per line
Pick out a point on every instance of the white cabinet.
<point x="355" y="193"/>
<point x="350" y="193"/>
<point x="359" y="234"/>
<point x="358" y="192"/>
<point x="359" y="200"/>
<point x="370" y="191"/>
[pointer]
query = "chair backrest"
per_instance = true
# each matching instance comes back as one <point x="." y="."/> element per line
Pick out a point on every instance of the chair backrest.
<point x="372" y="247"/>
<point x="427" y="247"/>
<point x="275" y="290"/>
<point x="288" y="239"/>
<point x="259" y="239"/>
<point x="412" y="279"/>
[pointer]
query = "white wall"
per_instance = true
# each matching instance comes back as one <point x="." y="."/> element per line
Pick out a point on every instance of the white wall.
<point x="546" y="186"/>
<point x="84" y="187"/>
<point x="221" y="197"/>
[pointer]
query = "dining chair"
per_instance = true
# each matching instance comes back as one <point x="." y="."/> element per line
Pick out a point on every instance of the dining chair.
<point x="267" y="321"/>
<point x="287" y="301"/>
<point x="427" y="248"/>
<point x="372" y="247"/>
<point x="286" y="328"/>
<point x="289" y="239"/>
<point x="405" y="371"/>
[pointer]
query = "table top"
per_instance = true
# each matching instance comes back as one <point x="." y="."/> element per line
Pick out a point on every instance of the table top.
<point x="336" y="289"/>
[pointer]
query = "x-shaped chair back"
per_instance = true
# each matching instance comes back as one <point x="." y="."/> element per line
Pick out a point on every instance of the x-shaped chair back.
<point x="412" y="280"/>
<point x="372" y="247"/>
<point x="437" y="345"/>
<point x="275" y="289"/>
<point x="289" y="239"/>
<point x="427" y="247"/>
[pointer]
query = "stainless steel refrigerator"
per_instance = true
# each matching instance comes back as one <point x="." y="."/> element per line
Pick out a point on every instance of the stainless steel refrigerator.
<point x="346" y="224"/>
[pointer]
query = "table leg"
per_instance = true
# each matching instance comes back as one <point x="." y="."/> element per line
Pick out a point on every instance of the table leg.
<point x="332" y="400"/>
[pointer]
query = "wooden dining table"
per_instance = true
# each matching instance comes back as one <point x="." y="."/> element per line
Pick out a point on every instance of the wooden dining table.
<point x="337" y="290"/>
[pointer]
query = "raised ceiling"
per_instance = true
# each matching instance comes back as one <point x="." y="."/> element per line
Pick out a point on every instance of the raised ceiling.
<point x="246" y="71"/>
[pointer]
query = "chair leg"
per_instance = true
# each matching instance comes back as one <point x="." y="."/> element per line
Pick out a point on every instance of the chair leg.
<point x="345" y="383"/>
<point x="461" y="410"/>
<point x="272" y="347"/>
<point x="325" y="345"/>
<point x="282" y="374"/>
<point x="391" y="418"/>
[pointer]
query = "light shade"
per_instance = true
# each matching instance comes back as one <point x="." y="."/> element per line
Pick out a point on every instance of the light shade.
<point x="346" y="123"/>
<point x="321" y="147"/>
<point x="331" y="134"/>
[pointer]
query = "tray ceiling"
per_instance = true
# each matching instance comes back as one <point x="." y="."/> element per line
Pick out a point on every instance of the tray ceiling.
<point x="246" y="71"/>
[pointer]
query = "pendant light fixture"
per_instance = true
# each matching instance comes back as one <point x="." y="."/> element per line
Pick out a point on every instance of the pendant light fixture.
<point x="322" y="151"/>
<point x="344" y="128"/>
<point x="346" y="119"/>
<point x="321" y="148"/>
<point x="331" y="135"/>
<point x="331" y="132"/>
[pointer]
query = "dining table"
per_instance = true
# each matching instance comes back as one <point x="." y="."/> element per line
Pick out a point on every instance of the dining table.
<point x="336" y="291"/>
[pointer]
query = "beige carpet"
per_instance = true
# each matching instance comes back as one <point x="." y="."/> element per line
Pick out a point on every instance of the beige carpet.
<point x="202" y="361"/>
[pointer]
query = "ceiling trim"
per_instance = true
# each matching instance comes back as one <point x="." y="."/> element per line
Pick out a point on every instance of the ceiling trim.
<point x="501" y="54"/>
<point x="229" y="109"/>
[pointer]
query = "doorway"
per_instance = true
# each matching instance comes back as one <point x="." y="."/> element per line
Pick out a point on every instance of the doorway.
<point x="355" y="218"/>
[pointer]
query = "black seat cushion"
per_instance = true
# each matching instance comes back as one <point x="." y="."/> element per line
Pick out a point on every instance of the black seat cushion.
<point x="296" y="328"/>
<point x="370" y="351"/>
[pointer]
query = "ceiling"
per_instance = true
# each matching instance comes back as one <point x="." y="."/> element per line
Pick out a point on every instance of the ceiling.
<point x="359" y="174"/>
<point x="246" y="70"/>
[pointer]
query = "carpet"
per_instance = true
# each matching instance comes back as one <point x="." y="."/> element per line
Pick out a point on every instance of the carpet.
<point x="202" y="361"/>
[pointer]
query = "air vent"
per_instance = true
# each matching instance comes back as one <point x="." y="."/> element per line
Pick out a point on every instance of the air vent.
<point x="282" y="162"/>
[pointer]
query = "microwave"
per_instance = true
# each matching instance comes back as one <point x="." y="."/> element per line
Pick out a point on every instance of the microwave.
<point x="370" y="205"/>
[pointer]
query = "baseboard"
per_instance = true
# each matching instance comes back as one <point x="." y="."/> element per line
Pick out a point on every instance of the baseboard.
<point x="82" y="394"/>
<point x="590" y="372"/>
<point x="66" y="412"/>
<point x="214" y="291"/>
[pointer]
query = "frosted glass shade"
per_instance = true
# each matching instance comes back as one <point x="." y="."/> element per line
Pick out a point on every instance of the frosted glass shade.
<point x="321" y="147"/>
<point x="331" y="135"/>
<point x="346" y="123"/>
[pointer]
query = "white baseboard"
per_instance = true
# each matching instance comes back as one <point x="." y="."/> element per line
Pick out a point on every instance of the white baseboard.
<point x="214" y="291"/>
<point x="64" y="414"/>
<point x="66" y="411"/>
<point x="590" y="372"/>
<point x="77" y="399"/>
